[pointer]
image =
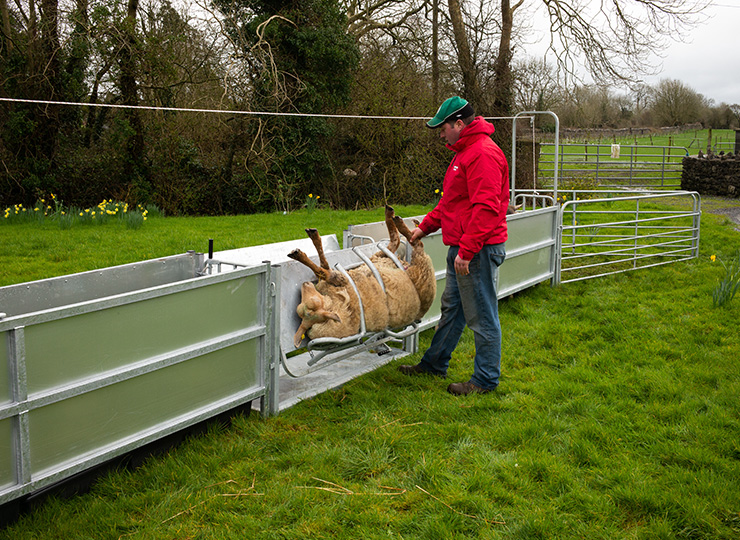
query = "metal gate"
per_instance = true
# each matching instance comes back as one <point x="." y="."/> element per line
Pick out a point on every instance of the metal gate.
<point x="612" y="165"/>
<point x="608" y="235"/>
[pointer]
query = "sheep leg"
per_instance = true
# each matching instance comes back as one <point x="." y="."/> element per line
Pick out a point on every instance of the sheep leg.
<point x="321" y="273"/>
<point x="315" y="237"/>
<point x="402" y="228"/>
<point x="392" y="230"/>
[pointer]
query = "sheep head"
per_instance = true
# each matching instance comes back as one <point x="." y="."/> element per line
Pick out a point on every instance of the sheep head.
<point x="312" y="310"/>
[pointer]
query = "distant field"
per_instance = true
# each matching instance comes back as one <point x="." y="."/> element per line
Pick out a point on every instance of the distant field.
<point x="653" y="161"/>
<point x="694" y="140"/>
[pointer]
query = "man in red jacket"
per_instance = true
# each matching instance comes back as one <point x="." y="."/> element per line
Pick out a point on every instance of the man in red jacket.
<point x="472" y="216"/>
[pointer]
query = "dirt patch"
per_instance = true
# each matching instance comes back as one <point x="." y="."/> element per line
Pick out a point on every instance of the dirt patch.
<point x="723" y="206"/>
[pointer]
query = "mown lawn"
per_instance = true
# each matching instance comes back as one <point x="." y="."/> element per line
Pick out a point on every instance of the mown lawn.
<point x="617" y="417"/>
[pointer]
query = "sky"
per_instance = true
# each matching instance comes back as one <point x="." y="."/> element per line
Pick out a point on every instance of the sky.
<point x="709" y="62"/>
<point x="706" y="60"/>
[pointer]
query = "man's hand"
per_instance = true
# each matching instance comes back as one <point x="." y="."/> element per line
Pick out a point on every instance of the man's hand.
<point x="461" y="266"/>
<point x="416" y="234"/>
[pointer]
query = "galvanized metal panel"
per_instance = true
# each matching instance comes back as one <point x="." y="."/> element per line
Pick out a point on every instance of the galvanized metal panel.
<point x="434" y="247"/>
<point x="8" y="476"/>
<point x="5" y="395"/>
<point x="118" y="372"/>
<point x="84" y="424"/>
<point x="531" y="227"/>
<point x="524" y="271"/>
<point x="86" y="286"/>
<point x="71" y="348"/>
<point x="276" y="253"/>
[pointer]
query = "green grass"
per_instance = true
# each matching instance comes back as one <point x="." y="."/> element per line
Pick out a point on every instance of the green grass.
<point x="617" y="417"/>
<point x="34" y="250"/>
<point x="582" y="161"/>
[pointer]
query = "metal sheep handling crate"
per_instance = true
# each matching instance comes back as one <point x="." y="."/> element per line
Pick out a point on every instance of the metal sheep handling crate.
<point x="97" y="364"/>
<point x="100" y="363"/>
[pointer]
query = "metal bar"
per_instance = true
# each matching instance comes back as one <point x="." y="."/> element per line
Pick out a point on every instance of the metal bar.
<point x="123" y="299"/>
<point x="19" y="395"/>
<point x="270" y="400"/>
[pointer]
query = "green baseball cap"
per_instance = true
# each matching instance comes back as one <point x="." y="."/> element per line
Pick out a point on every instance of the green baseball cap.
<point x="452" y="109"/>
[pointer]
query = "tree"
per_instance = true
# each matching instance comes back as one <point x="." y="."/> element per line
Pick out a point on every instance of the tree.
<point x="295" y="57"/>
<point x="636" y="30"/>
<point x="674" y="103"/>
<point x="535" y="86"/>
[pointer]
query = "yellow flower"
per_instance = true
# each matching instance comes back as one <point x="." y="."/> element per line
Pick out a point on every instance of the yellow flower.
<point x="436" y="191"/>
<point x="310" y="195"/>
<point x="713" y="258"/>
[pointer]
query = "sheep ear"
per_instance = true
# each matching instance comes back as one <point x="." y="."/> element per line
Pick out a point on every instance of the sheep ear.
<point x="299" y="335"/>
<point x="328" y="315"/>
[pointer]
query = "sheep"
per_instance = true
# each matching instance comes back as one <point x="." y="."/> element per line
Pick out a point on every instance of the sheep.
<point x="330" y="308"/>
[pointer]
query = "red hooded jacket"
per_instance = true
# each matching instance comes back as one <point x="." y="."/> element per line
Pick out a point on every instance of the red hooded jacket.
<point x="475" y="193"/>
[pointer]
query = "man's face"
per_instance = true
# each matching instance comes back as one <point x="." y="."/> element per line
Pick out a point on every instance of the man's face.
<point x="451" y="132"/>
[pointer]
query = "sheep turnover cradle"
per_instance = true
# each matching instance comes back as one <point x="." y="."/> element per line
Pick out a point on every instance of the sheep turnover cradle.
<point x="393" y="294"/>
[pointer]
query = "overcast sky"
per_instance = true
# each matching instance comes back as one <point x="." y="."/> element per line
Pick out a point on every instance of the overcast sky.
<point x="709" y="62"/>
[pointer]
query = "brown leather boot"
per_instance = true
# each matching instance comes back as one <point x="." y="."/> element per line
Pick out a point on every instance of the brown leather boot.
<point x="465" y="388"/>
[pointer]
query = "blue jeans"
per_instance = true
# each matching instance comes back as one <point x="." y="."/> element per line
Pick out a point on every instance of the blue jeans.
<point x="470" y="300"/>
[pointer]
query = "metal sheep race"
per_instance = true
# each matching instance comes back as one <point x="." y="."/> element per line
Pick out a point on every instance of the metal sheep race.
<point x="98" y="364"/>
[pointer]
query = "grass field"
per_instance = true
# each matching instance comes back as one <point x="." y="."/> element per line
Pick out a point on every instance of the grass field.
<point x="617" y="416"/>
<point x="649" y="161"/>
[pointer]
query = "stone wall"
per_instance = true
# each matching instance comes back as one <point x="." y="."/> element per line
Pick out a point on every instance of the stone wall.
<point x="712" y="175"/>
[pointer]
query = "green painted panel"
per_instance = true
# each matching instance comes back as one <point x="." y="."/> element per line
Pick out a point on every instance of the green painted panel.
<point x="436" y="308"/>
<point x="528" y="229"/>
<point x="82" y="425"/>
<point x="4" y="368"/>
<point x="7" y="463"/>
<point x="434" y="247"/>
<point x="523" y="268"/>
<point x="67" y="350"/>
